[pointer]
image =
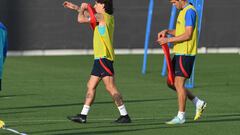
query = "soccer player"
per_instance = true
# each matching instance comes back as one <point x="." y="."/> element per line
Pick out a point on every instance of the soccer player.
<point x="103" y="59"/>
<point x="3" y="49"/>
<point x="185" y="50"/>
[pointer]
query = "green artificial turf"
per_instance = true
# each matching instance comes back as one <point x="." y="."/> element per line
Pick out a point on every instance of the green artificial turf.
<point x="40" y="92"/>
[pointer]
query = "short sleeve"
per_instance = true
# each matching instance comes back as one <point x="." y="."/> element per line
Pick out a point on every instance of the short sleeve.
<point x="190" y="18"/>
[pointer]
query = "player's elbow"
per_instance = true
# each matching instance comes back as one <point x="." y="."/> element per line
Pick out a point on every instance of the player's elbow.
<point x="188" y="36"/>
<point x="82" y="19"/>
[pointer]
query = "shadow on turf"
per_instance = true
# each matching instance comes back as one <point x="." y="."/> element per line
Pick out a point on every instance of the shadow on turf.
<point x="77" y="104"/>
<point x="219" y="118"/>
<point x="226" y="84"/>
<point x="134" y="127"/>
<point x="21" y="124"/>
<point x="15" y="112"/>
<point x="224" y="115"/>
<point x="19" y="95"/>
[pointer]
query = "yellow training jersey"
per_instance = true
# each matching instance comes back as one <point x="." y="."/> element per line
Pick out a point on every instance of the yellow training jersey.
<point x="103" y="44"/>
<point x="188" y="47"/>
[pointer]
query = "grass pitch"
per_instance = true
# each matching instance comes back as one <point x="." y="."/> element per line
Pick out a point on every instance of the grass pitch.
<point x="39" y="92"/>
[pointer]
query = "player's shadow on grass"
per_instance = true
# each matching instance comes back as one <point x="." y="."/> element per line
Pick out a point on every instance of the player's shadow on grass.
<point x="107" y="129"/>
<point x="29" y="123"/>
<point x="219" y="118"/>
<point x="208" y="85"/>
<point x="224" y="115"/>
<point x="18" y="95"/>
<point x="15" y="112"/>
<point x="78" y="104"/>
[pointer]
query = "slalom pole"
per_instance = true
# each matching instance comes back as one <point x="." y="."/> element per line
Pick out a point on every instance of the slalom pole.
<point x="199" y="7"/>
<point x="147" y="36"/>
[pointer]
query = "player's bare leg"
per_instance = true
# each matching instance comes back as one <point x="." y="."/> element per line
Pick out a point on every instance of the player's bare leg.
<point x="182" y="96"/>
<point x="181" y="92"/>
<point x="190" y="95"/>
<point x="91" y="90"/>
<point x="112" y="90"/>
<point x="89" y="99"/>
<point x="117" y="98"/>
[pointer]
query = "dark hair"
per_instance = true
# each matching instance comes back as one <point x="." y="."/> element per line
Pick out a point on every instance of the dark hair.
<point x="108" y="5"/>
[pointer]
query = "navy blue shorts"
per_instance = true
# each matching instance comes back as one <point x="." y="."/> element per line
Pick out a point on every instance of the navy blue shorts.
<point x="102" y="67"/>
<point x="183" y="65"/>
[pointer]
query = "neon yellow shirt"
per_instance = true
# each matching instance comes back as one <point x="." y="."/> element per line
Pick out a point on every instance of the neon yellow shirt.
<point x="103" y="44"/>
<point x="188" y="47"/>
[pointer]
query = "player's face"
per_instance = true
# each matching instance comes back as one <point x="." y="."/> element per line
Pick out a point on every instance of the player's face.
<point x="176" y="3"/>
<point x="99" y="7"/>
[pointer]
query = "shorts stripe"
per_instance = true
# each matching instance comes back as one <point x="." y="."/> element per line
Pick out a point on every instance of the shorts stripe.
<point x="105" y="68"/>
<point x="182" y="68"/>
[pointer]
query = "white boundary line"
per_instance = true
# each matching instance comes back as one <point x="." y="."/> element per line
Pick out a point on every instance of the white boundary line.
<point x="62" y="52"/>
<point x="13" y="131"/>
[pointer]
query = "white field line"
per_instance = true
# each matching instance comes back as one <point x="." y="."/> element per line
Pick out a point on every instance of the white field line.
<point x="63" y="52"/>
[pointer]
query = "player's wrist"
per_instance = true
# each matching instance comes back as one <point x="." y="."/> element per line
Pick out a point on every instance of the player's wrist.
<point x="166" y="31"/>
<point x="76" y="8"/>
<point x="79" y="10"/>
<point x="170" y="40"/>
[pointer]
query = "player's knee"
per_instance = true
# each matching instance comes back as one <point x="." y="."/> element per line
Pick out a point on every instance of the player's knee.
<point x="179" y="87"/>
<point x="90" y="95"/>
<point x="177" y="84"/>
<point x="90" y="88"/>
<point x="110" y="88"/>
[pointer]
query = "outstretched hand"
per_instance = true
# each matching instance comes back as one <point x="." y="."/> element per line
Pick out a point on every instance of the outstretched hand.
<point x="70" y="5"/>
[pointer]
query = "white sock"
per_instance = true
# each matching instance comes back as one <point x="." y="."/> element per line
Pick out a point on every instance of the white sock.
<point x="122" y="110"/>
<point x="181" y="115"/>
<point x="197" y="102"/>
<point x="85" y="110"/>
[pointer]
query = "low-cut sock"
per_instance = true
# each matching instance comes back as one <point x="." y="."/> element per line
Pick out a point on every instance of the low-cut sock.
<point x="123" y="111"/>
<point x="85" y="110"/>
<point x="181" y="115"/>
<point x="197" y="102"/>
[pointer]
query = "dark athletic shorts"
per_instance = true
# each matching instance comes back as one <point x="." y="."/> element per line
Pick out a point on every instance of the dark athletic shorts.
<point x="102" y="67"/>
<point x="183" y="65"/>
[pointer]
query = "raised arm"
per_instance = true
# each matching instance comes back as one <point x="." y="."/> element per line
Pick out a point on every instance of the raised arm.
<point x="83" y="15"/>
